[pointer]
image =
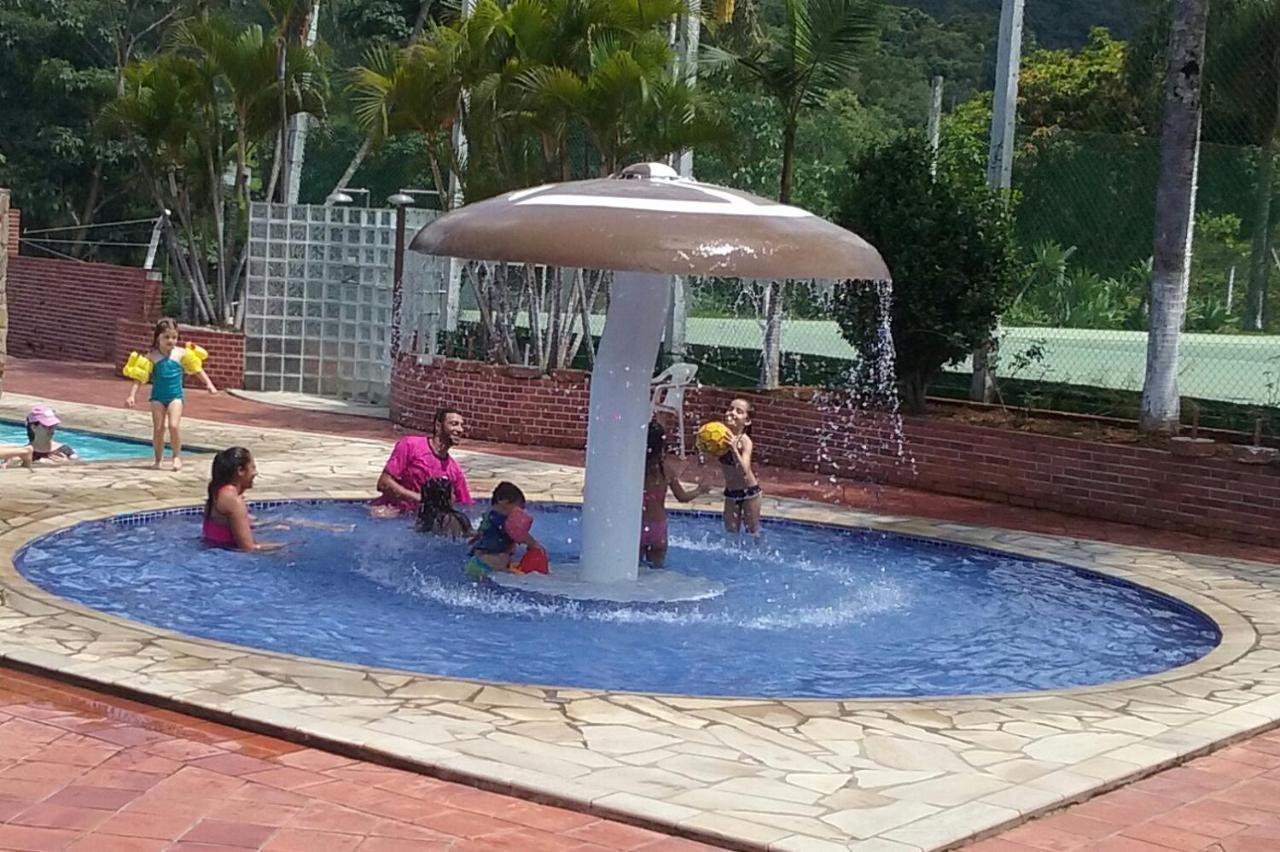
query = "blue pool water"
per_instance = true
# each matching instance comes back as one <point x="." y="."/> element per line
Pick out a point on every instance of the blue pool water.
<point x="89" y="446"/>
<point x="811" y="612"/>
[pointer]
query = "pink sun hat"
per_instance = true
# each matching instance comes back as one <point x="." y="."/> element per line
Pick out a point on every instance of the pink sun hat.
<point x="43" y="415"/>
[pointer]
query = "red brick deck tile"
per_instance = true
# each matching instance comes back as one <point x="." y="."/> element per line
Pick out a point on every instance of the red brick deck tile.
<point x="257" y="745"/>
<point x="1046" y="838"/>
<point x="183" y="750"/>
<point x="25" y="730"/>
<point x="230" y="763"/>
<point x="679" y="844"/>
<point x="10" y="808"/>
<point x="76" y="755"/>
<point x="1267" y="744"/>
<point x="30" y="839"/>
<point x="177" y="804"/>
<point x="1221" y="806"/>
<point x="1245" y="753"/>
<point x="546" y="818"/>
<point x="1238" y="843"/>
<point x="466" y="824"/>
<point x="614" y="835"/>
<point x="1173" y="838"/>
<point x="27" y="791"/>
<point x="50" y="815"/>
<point x="103" y="798"/>
<point x="260" y="813"/>
<point x="391" y="844"/>
<point x="114" y="843"/>
<point x="137" y="760"/>
<point x="1200" y="821"/>
<point x="327" y="816"/>
<point x="1104" y="809"/>
<point x="1260" y="793"/>
<point x="287" y="777"/>
<point x="1069" y="822"/>
<point x="187" y="846"/>
<point x="316" y="761"/>
<point x="252" y="792"/>
<point x="532" y="840"/>
<point x="246" y="835"/>
<point x="40" y="770"/>
<point x="1126" y="844"/>
<point x="405" y="831"/>
<point x="166" y="827"/>
<point x="414" y="786"/>
<point x="129" y="735"/>
<point x="121" y="779"/>
<point x="194" y="781"/>
<point x="298" y="840"/>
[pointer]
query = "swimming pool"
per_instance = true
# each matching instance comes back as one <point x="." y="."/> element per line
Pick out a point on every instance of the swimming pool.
<point x="89" y="445"/>
<point x="812" y="612"/>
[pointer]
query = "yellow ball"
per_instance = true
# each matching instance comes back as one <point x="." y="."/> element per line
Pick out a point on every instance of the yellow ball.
<point x="714" y="438"/>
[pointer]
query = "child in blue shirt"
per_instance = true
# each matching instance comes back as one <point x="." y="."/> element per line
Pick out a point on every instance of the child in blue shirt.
<point x="505" y="525"/>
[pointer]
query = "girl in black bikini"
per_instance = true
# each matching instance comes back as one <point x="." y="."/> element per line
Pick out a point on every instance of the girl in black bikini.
<point x="741" y="489"/>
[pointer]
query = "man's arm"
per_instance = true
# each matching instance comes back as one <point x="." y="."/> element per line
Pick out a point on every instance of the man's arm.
<point x="389" y="487"/>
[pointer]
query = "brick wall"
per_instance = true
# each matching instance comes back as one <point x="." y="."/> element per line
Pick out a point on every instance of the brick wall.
<point x="66" y="310"/>
<point x="225" y="365"/>
<point x="804" y="430"/>
<point x="15" y="219"/>
<point x="512" y="404"/>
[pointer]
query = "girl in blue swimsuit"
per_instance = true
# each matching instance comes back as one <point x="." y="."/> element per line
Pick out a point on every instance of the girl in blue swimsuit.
<point x="166" y="391"/>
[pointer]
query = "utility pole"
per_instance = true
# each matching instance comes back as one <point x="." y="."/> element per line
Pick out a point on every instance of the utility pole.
<point x="934" y="126"/>
<point x="1004" y="117"/>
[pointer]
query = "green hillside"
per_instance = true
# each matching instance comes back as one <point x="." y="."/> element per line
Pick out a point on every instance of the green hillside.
<point x="1055" y="23"/>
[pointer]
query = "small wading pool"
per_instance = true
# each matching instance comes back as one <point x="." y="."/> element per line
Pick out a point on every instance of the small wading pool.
<point x="811" y="612"/>
<point x="89" y="445"/>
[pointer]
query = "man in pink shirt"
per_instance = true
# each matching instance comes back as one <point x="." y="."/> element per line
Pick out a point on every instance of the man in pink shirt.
<point x="417" y="458"/>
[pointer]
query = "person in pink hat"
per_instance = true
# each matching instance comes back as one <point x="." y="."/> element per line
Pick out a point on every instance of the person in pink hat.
<point x="42" y="422"/>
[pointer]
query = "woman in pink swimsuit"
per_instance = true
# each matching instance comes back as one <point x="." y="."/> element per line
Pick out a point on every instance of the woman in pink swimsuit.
<point x="660" y="473"/>
<point x="226" y="517"/>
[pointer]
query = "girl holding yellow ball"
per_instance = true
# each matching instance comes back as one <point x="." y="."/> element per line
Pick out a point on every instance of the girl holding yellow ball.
<point x="741" y="488"/>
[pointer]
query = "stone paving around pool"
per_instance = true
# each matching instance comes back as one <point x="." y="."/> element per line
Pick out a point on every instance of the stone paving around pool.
<point x="788" y="775"/>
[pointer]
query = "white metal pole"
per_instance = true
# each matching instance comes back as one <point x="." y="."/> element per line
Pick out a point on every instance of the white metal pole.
<point x="1004" y="117"/>
<point x="1004" y="106"/>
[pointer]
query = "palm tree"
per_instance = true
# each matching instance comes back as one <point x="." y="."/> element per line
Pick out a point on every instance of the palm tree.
<point x="1245" y="70"/>
<point x="816" y="51"/>
<point x="1175" y="213"/>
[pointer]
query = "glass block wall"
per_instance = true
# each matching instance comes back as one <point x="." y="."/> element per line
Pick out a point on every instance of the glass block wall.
<point x="318" y="298"/>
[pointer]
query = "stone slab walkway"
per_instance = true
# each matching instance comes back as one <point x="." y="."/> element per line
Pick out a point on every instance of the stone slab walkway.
<point x="865" y="775"/>
<point x="90" y="773"/>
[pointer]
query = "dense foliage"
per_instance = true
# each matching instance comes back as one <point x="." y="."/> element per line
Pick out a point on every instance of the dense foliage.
<point x="949" y="245"/>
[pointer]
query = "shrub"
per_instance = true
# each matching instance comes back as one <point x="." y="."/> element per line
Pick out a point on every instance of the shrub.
<point x="950" y="247"/>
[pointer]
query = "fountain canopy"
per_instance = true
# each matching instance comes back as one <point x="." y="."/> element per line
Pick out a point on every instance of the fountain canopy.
<point x="647" y="219"/>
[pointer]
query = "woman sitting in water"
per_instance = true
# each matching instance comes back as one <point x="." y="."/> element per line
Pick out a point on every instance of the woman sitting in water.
<point x="226" y="516"/>
<point x="436" y="512"/>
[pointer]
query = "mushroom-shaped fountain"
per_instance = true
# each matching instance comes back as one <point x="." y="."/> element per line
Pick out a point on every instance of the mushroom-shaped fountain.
<point x="645" y="225"/>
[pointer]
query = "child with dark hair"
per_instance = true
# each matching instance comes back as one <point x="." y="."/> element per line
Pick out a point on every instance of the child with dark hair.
<point x="436" y="512"/>
<point x="660" y="475"/>
<point x="226" y="516"/>
<point x="741" y="488"/>
<point x="505" y="525"/>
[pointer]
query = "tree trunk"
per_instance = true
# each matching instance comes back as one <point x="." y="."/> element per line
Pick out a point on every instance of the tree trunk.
<point x="1175" y="214"/>
<point x="915" y="388"/>
<point x="1260" y="248"/>
<point x="775" y="291"/>
<point x="4" y="283"/>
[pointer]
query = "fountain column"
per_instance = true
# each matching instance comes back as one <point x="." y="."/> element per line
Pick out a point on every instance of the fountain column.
<point x="617" y="426"/>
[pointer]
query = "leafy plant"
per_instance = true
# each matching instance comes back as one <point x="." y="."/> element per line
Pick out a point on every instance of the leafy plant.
<point x="949" y="244"/>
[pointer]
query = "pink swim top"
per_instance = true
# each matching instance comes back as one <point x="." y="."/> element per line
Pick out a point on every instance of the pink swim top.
<point x="215" y="533"/>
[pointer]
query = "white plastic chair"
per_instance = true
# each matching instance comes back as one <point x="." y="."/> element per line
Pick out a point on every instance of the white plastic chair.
<point x="667" y="392"/>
